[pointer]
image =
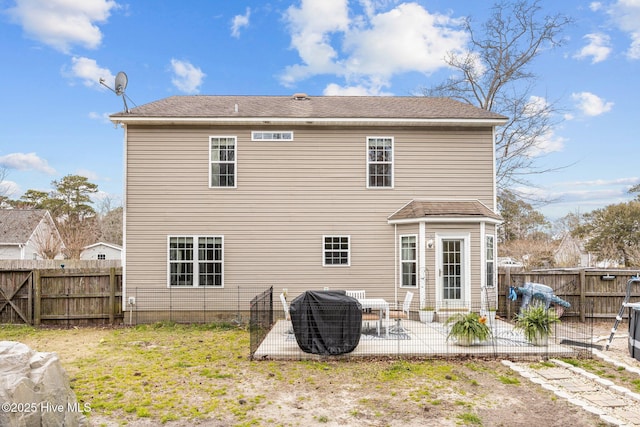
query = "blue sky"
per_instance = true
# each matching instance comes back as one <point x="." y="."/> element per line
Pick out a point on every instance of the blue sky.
<point x="54" y="111"/>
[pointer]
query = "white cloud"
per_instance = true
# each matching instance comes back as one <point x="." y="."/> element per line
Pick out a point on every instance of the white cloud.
<point x="590" y="104"/>
<point x="598" y="48"/>
<point x="25" y="162"/>
<point x="238" y="22"/>
<point x="626" y="15"/>
<point x="187" y="78"/>
<point x="334" y="89"/>
<point x="102" y="117"/>
<point x="9" y="188"/>
<point x="63" y="23"/>
<point x="595" y="6"/>
<point x="89" y="72"/>
<point x="368" y="49"/>
<point x="311" y="26"/>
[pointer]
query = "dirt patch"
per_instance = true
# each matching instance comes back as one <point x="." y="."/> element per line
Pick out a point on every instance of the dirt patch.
<point x="219" y="386"/>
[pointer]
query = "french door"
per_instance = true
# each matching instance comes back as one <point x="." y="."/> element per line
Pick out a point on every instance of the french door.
<point x="453" y="270"/>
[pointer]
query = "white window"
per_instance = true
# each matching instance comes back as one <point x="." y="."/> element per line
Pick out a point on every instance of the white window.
<point x="490" y="260"/>
<point x="271" y="136"/>
<point x="409" y="261"/>
<point x="102" y="256"/>
<point x="196" y="261"/>
<point x="222" y="159"/>
<point x="336" y="251"/>
<point x="380" y="162"/>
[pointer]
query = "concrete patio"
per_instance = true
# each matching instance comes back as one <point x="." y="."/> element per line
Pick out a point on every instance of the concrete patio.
<point x="430" y="340"/>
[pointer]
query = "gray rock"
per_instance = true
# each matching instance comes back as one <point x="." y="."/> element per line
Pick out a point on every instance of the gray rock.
<point x="34" y="389"/>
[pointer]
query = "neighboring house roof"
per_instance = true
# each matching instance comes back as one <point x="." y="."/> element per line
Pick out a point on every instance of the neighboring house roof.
<point x="110" y="245"/>
<point x="17" y="225"/>
<point x="202" y="108"/>
<point x="467" y="209"/>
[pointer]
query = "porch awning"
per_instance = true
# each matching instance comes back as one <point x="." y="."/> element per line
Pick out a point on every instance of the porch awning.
<point x="444" y="210"/>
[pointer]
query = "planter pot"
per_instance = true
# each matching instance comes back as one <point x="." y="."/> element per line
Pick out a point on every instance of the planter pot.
<point x="426" y="316"/>
<point x="540" y="341"/>
<point x="464" y="341"/>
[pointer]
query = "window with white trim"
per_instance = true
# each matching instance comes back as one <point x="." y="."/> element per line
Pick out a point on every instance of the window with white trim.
<point x="490" y="263"/>
<point x="336" y="251"/>
<point x="409" y="261"/>
<point x="222" y="159"/>
<point x="196" y="261"/>
<point x="380" y="162"/>
<point x="102" y="256"/>
<point x="272" y="136"/>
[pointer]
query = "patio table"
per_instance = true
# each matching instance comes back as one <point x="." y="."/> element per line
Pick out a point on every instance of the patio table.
<point x="377" y="304"/>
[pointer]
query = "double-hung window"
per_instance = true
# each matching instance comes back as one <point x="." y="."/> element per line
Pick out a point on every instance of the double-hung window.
<point x="336" y="251"/>
<point x="409" y="261"/>
<point x="380" y="162"/>
<point x="222" y="159"/>
<point x="490" y="263"/>
<point x="196" y="261"/>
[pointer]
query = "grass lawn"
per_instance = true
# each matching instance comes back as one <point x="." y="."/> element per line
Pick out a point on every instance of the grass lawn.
<point x="178" y="375"/>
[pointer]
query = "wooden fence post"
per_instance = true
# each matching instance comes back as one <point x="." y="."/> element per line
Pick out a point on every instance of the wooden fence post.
<point x="112" y="295"/>
<point x="37" y="298"/>
<point x="581" y="285"/>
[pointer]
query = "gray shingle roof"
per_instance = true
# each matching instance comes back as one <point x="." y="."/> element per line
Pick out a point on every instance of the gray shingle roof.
<point x="17" y="225"/>
<point x="382" y="107"/>
<point x="417" y="209"/>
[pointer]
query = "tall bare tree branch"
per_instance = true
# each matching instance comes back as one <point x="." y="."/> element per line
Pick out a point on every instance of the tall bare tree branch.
<point x="495" y="74"/>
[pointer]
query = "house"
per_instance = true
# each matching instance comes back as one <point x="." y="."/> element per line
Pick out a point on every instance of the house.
<point x="101" y="251"/>
<point x="386" y="194"/>
<point x="29" y="234"/>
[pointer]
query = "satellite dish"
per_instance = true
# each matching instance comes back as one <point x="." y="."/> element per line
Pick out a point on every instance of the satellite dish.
<point x="121" y="83"/>
<point x="120" y="86"/>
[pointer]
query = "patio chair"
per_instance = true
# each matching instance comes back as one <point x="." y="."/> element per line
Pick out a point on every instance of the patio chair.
<point x="398" y="315"/>
<point x="368" y="317"/>
<point x="285" y="306"/>
<point x="356" y="294"/>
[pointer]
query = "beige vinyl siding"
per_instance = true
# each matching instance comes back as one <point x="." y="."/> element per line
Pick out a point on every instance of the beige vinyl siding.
<point x="289" y="194"/>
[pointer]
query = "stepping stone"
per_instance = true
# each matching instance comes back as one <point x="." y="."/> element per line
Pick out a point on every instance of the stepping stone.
<point x="605" y="400"/>
<point x="554" y="374"/>
<point x="575" y="386"/>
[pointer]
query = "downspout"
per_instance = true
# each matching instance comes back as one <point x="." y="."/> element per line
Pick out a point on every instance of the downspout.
<point x="422" y="262"/>
<point x="395" y="262"/>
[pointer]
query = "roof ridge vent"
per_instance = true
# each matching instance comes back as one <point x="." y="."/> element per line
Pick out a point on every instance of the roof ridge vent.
<point x="300" y="96"/>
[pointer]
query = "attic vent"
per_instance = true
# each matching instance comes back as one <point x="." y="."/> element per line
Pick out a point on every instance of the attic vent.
<point x="300" y="96"/>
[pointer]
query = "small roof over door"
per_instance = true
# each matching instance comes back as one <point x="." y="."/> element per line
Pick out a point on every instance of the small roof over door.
<point x="444" y="210"/>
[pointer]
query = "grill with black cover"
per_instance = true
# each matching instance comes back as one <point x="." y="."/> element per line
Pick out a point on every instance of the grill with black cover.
<point x="326" y="322"/>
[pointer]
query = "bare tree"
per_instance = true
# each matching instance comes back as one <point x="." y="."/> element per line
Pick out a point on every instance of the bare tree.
<point x="47" y="243"/>
<point x="111" y="227"/>
<point x="494" y="74"/>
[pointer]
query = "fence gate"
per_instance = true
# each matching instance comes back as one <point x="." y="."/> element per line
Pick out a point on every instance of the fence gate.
<point x="16" y="297"/>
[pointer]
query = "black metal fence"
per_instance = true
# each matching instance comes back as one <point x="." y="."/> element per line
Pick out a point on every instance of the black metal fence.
<point x="274" y="337"/>
<point x="198" y="305"/>
<point x="261" y="318"/>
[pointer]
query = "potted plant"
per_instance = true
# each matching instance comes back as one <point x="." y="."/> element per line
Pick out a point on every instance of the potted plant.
<point x="426" y="314"/>
<point x="468" y="328"/>
<point x="535" y="322"/>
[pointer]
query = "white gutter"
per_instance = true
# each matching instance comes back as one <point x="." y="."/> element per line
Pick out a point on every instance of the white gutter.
<point x="302" y="121"/>
<point x="437" y="219"/>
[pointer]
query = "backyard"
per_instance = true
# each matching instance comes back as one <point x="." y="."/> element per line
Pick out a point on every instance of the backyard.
<point x="189" y="375"/>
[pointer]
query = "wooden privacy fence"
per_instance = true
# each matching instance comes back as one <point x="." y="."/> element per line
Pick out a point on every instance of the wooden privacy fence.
<point x="594" y="294"/>
<point x="61" y="296"/>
